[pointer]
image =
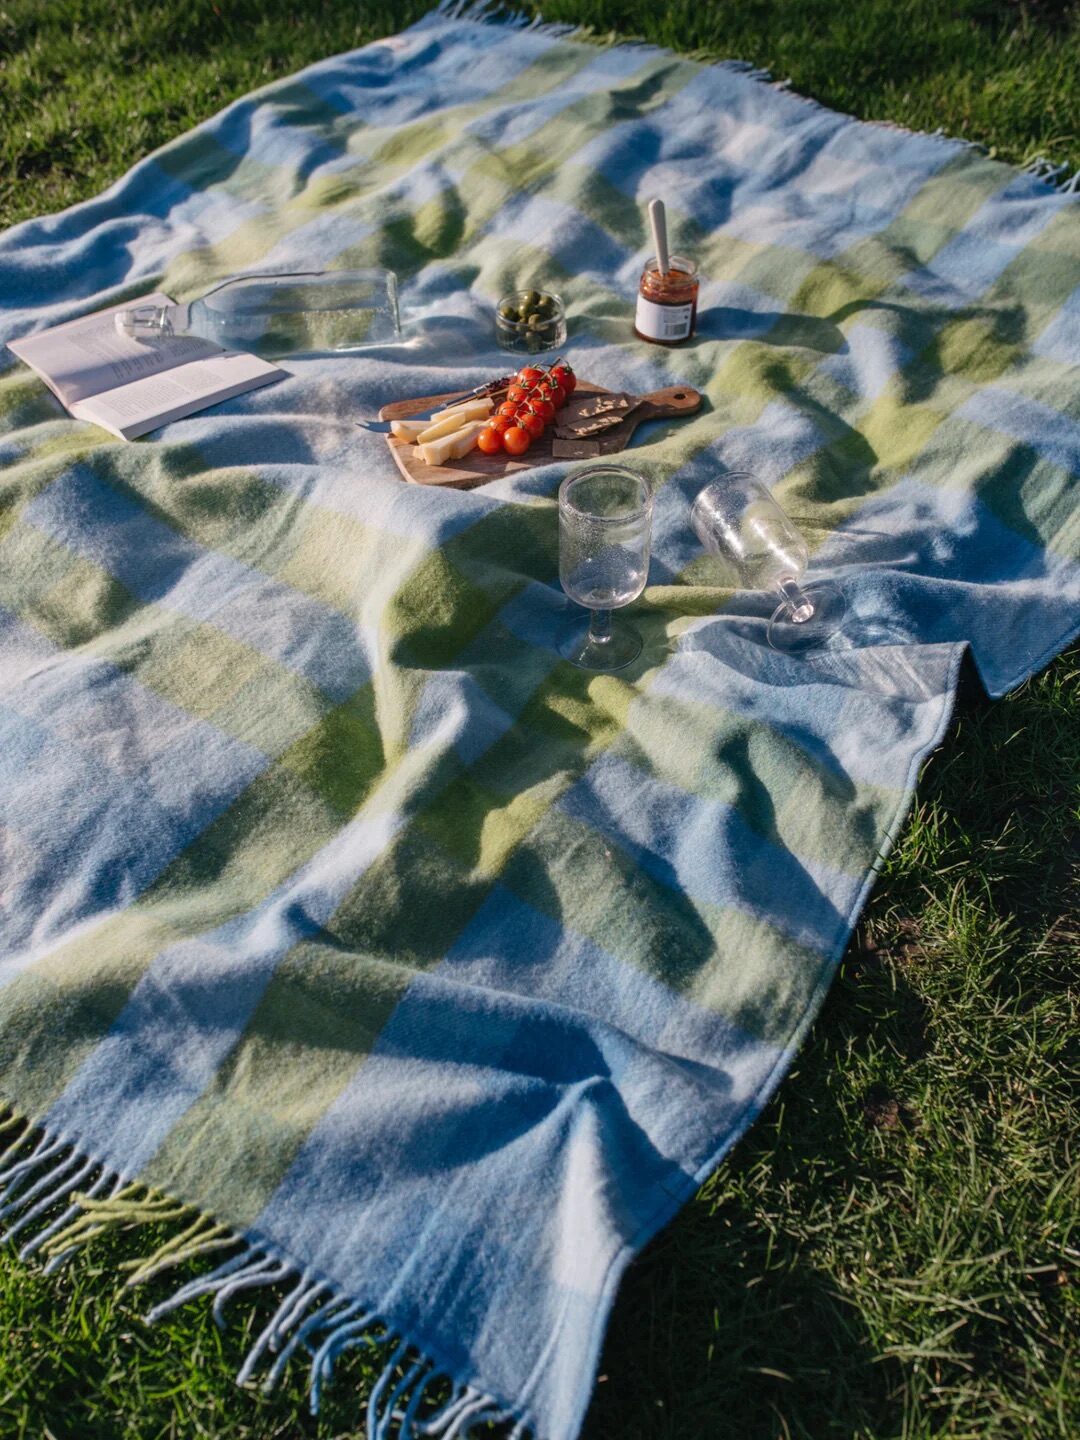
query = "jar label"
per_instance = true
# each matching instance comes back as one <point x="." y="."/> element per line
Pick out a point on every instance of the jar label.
<point x="663" y="322"/>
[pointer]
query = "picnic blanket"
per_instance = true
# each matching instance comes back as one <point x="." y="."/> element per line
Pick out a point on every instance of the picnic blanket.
<point x="400" y="965"/>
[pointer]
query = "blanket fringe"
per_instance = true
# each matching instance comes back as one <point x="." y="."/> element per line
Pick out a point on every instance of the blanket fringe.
<point x="1056" y="176"/>
<point x="414" y="1397"/>
<point x="494" y="12"/>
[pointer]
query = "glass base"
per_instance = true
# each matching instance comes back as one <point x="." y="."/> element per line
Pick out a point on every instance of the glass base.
<point x="620" y="648"/>
<point x="793" y="636"/>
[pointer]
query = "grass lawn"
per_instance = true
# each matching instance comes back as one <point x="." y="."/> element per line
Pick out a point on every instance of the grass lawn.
<point x="888" y="1253"/>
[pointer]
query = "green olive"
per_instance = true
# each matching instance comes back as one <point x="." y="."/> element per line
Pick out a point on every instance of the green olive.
<point x="538" y="321"/>
<point x="509" y="312"/>
<point x="546" y="305"/>
<point x="530" y="299"/>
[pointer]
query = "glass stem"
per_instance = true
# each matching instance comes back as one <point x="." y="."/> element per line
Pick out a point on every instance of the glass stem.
<point x="600" y="627"/>
<point x="802" y="607"/>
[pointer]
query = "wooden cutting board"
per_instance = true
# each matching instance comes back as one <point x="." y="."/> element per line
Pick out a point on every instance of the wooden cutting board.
<point x="478" y="469"/>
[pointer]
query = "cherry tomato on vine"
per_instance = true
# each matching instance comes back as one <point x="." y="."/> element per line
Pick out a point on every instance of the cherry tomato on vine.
<point x="529" y="375"/>
<point x="564" y="376"/>
<point x="532" y="423"/>
<point x="516" y="394"/>
<point x="509" y="408"/>
<point x="502" y="422"/>
<point x="516" y="440"/>
<point x="489" y="441"/>
<point x="544" y="408"/>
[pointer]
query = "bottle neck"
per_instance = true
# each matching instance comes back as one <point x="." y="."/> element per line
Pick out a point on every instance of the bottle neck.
<point x="147" y="322"/>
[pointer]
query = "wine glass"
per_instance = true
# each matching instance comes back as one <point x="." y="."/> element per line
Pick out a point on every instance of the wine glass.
<point x="605" y="526"/>
<point x="737" y="519"/>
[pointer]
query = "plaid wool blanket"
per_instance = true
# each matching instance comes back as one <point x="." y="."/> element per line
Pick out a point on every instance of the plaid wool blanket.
<point x="406" y="968"/>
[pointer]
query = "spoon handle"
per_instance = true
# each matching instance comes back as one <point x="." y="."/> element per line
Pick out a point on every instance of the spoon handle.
<point x="658" y="221"/>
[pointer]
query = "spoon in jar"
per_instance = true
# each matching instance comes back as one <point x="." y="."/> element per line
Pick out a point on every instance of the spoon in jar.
<point x="658" y="221"/>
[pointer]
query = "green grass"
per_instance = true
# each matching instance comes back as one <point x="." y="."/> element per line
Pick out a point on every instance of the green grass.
<point x="89" y="86"/>
<point x="892" y="1251"/>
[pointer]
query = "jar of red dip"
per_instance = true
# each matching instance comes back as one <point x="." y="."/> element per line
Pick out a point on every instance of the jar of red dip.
<point x="667" y="302"/>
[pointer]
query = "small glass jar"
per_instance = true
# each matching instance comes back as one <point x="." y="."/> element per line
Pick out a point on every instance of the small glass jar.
<point x="667" y="302"/>
<point x="528" y="321"/>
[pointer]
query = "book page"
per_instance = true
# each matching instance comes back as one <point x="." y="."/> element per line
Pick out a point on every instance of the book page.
<point x="142" y="405"/>
<point x="87" y="356"/>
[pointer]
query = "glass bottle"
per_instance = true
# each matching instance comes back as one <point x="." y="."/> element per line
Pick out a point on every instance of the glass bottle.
<point x="666" y="311"/>
<point x="280" y="314"/>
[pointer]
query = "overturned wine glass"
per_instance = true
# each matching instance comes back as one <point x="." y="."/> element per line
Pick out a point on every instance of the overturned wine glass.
<point x="737" y="519"/>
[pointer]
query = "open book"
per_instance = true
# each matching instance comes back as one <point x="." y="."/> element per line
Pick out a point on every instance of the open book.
<point x="130" y="386"/>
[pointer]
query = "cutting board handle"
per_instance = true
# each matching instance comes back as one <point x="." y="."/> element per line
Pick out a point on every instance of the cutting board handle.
<point x="674" y="400"/>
